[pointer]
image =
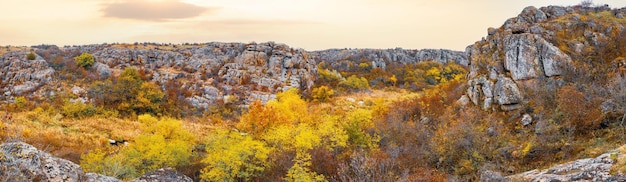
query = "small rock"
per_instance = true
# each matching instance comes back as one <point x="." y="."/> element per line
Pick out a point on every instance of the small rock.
<point x="608" y="107"/>
<point x="491" y="176"/>
<point x="464" y="100"/>
<point x="526" y="120"/>
<point x="491" y="31"/>
<point x="76" y="90"/>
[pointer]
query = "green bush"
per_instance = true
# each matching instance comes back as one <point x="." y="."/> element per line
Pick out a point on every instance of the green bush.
<point x="85" y="60"/>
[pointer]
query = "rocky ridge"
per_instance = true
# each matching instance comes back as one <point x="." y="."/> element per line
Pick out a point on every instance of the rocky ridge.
<point x="211" y="72"/>
<point x="22" y="162"/>
<point x="344" y="59"/>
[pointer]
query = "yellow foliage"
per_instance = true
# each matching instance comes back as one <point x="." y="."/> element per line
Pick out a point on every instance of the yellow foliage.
<point x="331" y="133"/>
<point x="322" y="94"/>
<point x="393" y="79"/>
<point x="234" y="156"/>
<point x="161" y="144"/>
<point x="288" y="109"/>
<point x="357" y="124"/>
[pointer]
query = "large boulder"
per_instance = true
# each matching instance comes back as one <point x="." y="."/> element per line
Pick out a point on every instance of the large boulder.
<point x="507" y="94"/>
<point x="22" y="162"/>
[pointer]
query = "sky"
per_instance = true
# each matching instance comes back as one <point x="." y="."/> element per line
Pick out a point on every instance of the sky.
<point x="308" y="24"/>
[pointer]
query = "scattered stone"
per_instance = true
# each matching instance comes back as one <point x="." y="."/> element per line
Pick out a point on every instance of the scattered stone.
<point x="526" y="120"/>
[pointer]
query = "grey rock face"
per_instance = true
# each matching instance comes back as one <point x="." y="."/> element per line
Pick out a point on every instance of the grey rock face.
<point x="590" y="169"/>
<point x="520" y="56"/>
<point x="553" y="60"/>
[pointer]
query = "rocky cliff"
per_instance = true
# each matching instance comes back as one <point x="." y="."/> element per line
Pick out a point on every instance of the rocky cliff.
<point x="22" y="162"/>
<point x="539" y="44"/>
<point x="344" y="59"/>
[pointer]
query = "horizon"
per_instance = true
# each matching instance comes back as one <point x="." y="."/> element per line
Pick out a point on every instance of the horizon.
<point x="312" y="26"/>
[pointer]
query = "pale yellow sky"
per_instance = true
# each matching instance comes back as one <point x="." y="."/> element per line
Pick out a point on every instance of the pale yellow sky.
<point x="310" y="24"/>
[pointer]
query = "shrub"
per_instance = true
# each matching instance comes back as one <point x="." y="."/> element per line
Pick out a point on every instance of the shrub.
<point x="31" y="56"/>
<point x="85" y="60"/>
<point x="322" y="94"/>
<point x="354" y="83"/>
<point x="580" y="110"/>
<point x="78" y="110"/>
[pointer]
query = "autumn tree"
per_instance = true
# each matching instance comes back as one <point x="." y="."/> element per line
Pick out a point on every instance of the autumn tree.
<point x="129" y="94"/>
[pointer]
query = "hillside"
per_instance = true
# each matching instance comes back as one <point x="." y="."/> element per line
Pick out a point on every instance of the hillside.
<point x="548" y="87"/>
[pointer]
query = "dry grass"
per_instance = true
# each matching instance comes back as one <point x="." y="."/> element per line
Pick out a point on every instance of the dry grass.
<point x="69" y="138"/>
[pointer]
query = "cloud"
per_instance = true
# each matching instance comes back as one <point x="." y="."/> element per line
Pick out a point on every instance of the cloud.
<point x="153" y="11"/>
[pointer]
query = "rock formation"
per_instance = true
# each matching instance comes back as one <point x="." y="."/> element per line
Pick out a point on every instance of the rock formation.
<point x="214" y="70"/>
<point x="22" y="162"/>
<point x="524" y="49"/>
